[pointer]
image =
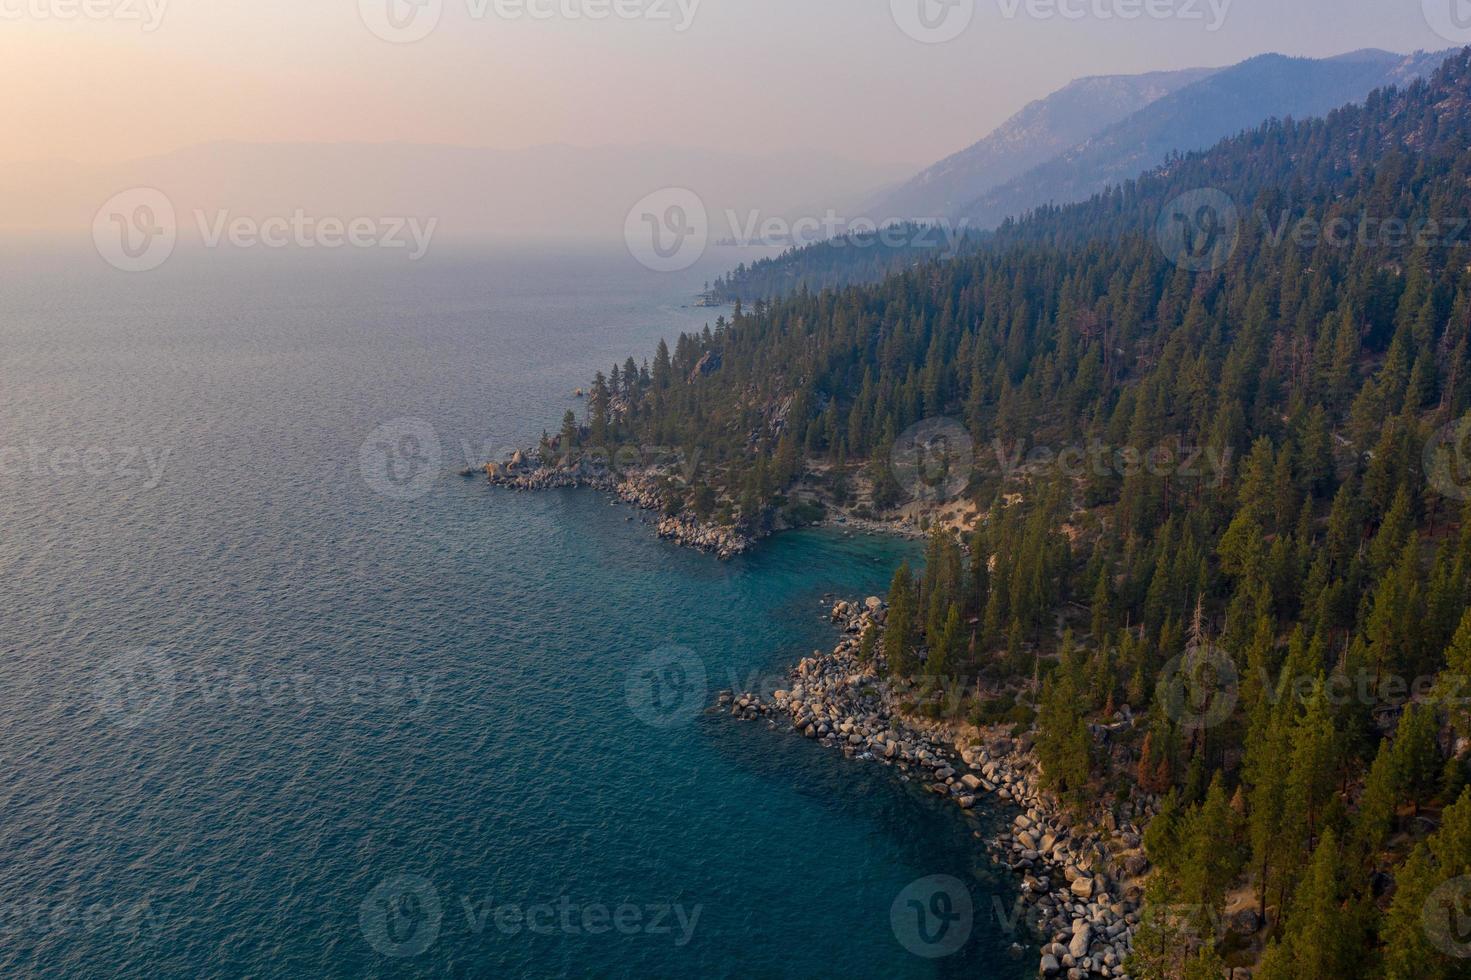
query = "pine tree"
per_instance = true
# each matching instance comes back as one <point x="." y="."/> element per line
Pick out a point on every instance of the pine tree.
<point x="1417" y="928"/>
<point x="1382" y="792"/>
<point x="1417" y="763"/>
<point x="1211" y="859"/>
<point x="568" y="435"/>
<point x="598" y="411"/>
<point x="663" y="372"/>
<point x="1063" y="744"/>
<point x="1407" y="952"/>
<point x="1161" y="946"/>
<point x="900" y="624"/>
<point x="1102" y="611"/>
<point x="1453" y="687"/>
<point x="1311" y="772"/>
<point x="1323" y="930"/>
<point x="1266" y="746"/>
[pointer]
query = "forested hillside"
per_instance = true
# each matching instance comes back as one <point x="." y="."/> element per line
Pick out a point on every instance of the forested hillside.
<point x="841" y="261"/>
<point x="1232" y="470"/>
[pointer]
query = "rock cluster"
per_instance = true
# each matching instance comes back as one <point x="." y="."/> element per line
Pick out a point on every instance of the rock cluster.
<point x="748" y="707"/>
<point x="1071" y="882"/>
<point x="523" y="470"/>
<point x="720" y="541"/>
<point x="1078" y="875"/>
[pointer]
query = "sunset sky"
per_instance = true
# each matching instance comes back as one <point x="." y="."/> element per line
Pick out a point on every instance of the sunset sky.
<point x="751" y="74"/>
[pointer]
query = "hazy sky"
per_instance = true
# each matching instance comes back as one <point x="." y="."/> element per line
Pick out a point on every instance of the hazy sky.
<point x="87" y="80"/>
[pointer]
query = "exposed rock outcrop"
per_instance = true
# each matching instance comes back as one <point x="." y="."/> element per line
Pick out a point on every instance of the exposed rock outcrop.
<point x="525" y="470"/>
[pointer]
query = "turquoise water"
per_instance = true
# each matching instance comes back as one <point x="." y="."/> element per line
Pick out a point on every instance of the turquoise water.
<point x="260" y="718"/>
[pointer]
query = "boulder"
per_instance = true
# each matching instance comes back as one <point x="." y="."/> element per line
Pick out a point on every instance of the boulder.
<point x="1082" y="887"/>
<point x="1244" y="922"/>
<point x="708" y="364"/>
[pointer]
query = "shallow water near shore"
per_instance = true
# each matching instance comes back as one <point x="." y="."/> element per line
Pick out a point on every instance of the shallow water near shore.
<point x="249" y="700"/>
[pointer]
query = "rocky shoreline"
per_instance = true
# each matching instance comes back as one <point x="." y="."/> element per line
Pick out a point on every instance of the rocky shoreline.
<point x="869" y="525"/>
<point x="1081" y="874"/>
<point x="524" y="471"/>
<point x="640" y="486"/>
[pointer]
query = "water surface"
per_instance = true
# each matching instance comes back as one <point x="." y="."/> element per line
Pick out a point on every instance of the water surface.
<point x="244" y="694"/>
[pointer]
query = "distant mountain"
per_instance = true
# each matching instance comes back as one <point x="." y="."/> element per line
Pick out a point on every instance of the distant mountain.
<point x="1194" y="117"/>
<point x="474" y="192"/>
<point x="1036" y="134"/>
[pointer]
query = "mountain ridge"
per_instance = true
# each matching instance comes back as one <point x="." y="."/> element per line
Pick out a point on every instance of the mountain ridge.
<point x="1196" y="116"/>
<point x="1040" y="129"/>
